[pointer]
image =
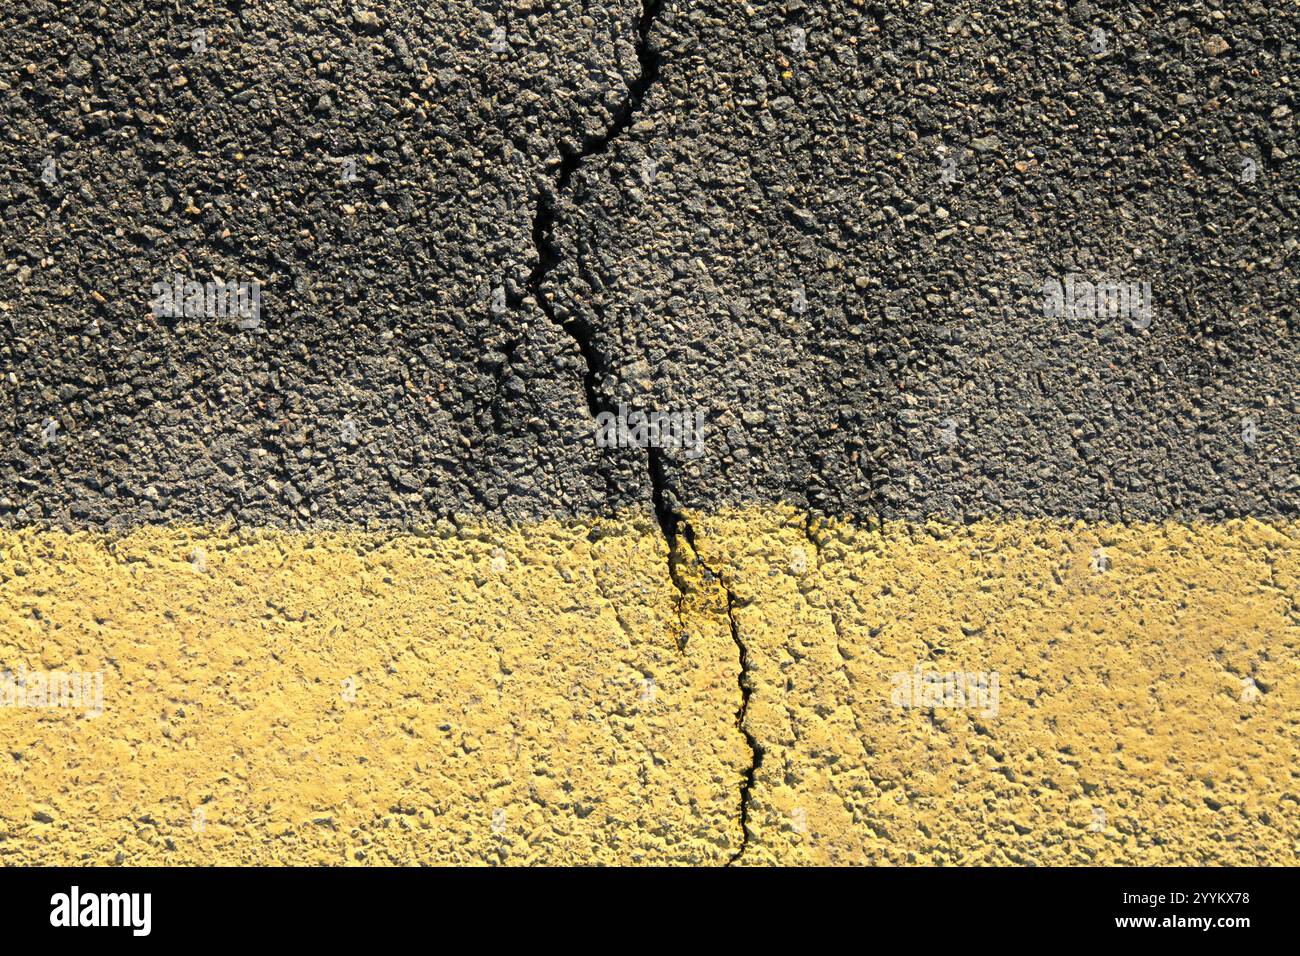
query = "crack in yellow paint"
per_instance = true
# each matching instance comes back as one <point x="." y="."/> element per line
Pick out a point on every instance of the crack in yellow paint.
<point x="492" y="694"/>
<point x="1148" y="703"/>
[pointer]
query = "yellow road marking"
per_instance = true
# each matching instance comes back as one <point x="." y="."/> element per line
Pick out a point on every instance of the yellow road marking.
<point x="518" y="695"/>
<point x="1149" y="700"/>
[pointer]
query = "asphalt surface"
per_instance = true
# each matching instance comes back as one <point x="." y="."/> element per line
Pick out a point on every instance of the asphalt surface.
<point x="858" y="241"/>
<point x="377" y="295"/>
<point x="827" y="226"/>
<point x="871" y="339"/>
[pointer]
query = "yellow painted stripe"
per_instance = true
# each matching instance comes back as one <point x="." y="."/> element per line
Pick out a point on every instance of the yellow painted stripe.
<point x="345" y="698"/>
<point x="520" y="695"/>
<point x="1149" y="691"/>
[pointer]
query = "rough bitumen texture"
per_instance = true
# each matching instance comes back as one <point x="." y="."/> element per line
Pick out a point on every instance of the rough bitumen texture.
<point x="377" y="295"/>
<point x="650" y="186"/>
<point x="776" y="170"/>
<point x="741" y="208"/>
<point x="540" y="694"/>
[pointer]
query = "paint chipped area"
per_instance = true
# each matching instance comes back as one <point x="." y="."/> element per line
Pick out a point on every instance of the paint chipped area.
<point x="1148" y="690"/>
<point x="482" y="695"/>
<point x="549" y="693"/>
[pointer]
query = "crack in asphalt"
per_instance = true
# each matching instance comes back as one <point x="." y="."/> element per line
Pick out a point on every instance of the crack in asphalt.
<point x="580" y="329"/>
<point x="669" y="520"/>
<point x="543" y="231"/>
<point x="548" y="254"/>
<point x="673" y="524"/>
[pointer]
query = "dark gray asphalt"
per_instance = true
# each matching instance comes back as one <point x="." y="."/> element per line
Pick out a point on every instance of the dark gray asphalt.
<point x="377" y="295"/>
<point x="827" y="225"/>
<point x="799" y="155"/>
